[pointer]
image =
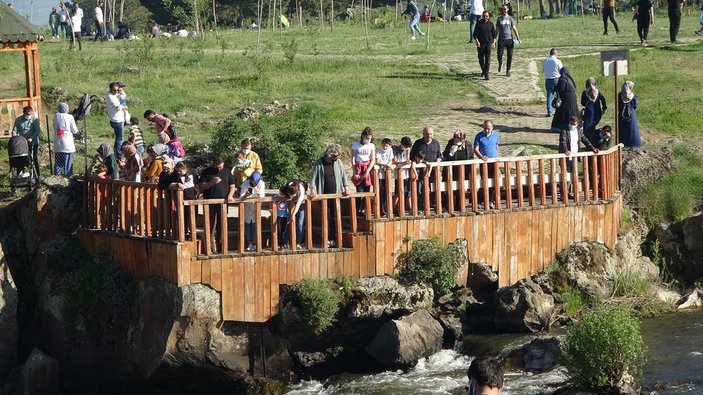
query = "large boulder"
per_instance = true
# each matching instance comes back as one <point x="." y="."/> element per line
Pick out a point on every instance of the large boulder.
<point x="693" y="299"/>
<point x="400" y="343"/>
<point x="641" y="167"/>
<point x="538" y="355"/>
<point x="9" y="332"/>
<point x="40" y="375"/>
<point x="523" y="307"/>
<point x="374" y="297"/>
<point x="681" y="243"/>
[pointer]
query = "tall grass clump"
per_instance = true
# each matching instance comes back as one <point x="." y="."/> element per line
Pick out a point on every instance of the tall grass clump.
<point x="678" y="194"/>
<point x="602" y="347"/>
<point x="318" y="303"/>
<point x="431" y="261"/>
<point x="273" y="136"/>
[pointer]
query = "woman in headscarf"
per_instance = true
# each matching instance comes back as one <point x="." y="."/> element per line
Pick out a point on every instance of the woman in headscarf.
<point x="457" y="149"/>
<point x="64" y="147"/>
<point x="627" y="116"/>
<point x="132" y="170"/>
<point x="566" y="89"/>
<point x="156" y="155"/>
<point x="594" y="106"/>
<point x="106" y="156"/>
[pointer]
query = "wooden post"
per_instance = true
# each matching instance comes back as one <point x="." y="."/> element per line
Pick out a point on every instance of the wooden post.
<point x="388" y="182"/>
<point x="181" y="216"/>
<point x="376" y="198"/>
<point x="437" y="188"/>
<point x="518" y="183"/>
<point x="240" y="221"/>
<point x="207" y="229"/>
<point x="274" y="225"/>
<point x="400" y="191"/>
<point x="553" y="180"/>
<point x="496" y="184"/>
<point x="563" y="172"/>
<point x="325" y="223"/>
<point x="224" y="231"/>
<point x="449" y="188"/>
<point x="461" y="188"/>
<point x="586" y="178"/>
<point x="484" y="185"/>
<point x="617" y="104"/>
<point x="508" y="187"/>
<point x="308" y="225"/>
<point x="473" y="186"/>
<point x="257" y="215"/>
<point x="338" y="221"/>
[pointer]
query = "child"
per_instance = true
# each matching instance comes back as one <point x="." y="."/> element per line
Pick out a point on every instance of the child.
<point x="295" y="191"/>
<point x="253" y="187"/>
<point x="384" y="159"/>
<point x="135" y="135"/>
<point x="402" y="158"/>
<point x="101" y="171"/>
<point x="182" y="179"/>
<point x="282" y="218"/>
<point x="241" y="169"/>
<point x="122" y="96"/>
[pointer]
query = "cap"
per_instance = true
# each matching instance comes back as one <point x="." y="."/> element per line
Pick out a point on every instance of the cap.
<point x="121" y="84"/>
<point x="53" y="8"/>
<point x="255" y="177"/>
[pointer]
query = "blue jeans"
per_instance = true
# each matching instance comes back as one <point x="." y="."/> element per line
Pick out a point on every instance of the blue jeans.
<point x="99" y="35"/>
<point x="413" y="25"/>
<point x="473" y="20"/>
<point x="250" y="232"/>
<point x="54" y="30"/>
<point x="549" y="85"/>
<point x="299" y="224"/>
<point x="118" y="128"/>
<point x="63" y="164"/>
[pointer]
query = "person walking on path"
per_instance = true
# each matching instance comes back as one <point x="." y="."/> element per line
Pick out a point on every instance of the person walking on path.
<point x="507" y="33"/>
<point x="550" y="68"/>
<point x="328" y="177"/>
<point x="76" y="30"/>
<point x="64" y="146"/>
<point x="477" y="9"/>
<point x="644" y="14"/>
<point x="99" y="22"/>
<point x="627" y="117"/>
<point x="594" y="106"/>
<point x="609" y="13"/>
<point x="54" y="23"/>
<point x="485" y="37"/>
<point x="115" y="113"/>
<point x="675" y="7"/>
<point x="566" y="89"/>
<point x="414" y="13"/>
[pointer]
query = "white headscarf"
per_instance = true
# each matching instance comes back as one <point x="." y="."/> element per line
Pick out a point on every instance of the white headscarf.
<point x="591" y="90"/>
<point x="626" y="93"/>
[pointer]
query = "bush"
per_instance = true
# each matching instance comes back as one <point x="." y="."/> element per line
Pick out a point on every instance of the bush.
<point x="432" y="261"/>
<point x="287" y="143"/>
<point x="602" y="347"/>
<point x="317" y="302"/>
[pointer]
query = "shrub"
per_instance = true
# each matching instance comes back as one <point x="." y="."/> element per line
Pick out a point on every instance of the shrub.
<point x="287" y="143"/>
<point x="317" y="302"/>
<point x="603" y="346"/>
<point x="432" y="261"/>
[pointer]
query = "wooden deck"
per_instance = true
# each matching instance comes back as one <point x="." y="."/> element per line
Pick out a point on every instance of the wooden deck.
<point x="149" y="233"/>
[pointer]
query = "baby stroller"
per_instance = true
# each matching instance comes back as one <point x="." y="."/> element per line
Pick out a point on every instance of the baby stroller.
<point x="22" y="170"/>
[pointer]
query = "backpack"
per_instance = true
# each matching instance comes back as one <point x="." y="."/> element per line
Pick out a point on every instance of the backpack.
<point x="626" y="112"/>
<point x="175" y="148"/>
<point x="83" y="109"/>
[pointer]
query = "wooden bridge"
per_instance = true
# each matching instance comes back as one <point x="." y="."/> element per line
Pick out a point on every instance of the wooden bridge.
<point x="539" y="210"/>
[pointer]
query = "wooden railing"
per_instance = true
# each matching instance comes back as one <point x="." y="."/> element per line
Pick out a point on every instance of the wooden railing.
<point x="447" y="187"/>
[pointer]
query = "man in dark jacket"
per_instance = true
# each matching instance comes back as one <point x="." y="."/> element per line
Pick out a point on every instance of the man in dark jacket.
<point x="569" y="143"/>
<point x="485" y="39"/>
<point x="217" y="182"/>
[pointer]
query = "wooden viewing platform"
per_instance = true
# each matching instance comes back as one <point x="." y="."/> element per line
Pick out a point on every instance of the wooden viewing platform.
<point x="158" y="233"/>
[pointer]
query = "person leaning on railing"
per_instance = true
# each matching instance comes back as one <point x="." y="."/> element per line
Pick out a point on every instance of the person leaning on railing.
<point x="456" y="150"/>
<point x="216" y="182"/>
<point x="294" y="191"/>
<point x="328" y="178"/>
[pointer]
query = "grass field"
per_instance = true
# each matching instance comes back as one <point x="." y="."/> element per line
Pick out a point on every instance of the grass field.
<point x="389" y="82"/>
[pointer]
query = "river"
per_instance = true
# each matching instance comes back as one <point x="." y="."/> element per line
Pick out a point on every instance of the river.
<point x="674" y="356"/>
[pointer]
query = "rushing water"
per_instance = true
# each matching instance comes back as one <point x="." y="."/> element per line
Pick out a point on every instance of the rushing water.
<point x="675" y="357"/>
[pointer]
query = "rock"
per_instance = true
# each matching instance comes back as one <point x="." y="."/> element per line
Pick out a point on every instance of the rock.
<point x="400" y="343"/>
<point x="693" y="299"/>
<point x="692" y="229"/>
<point x="322" y="364"/>
<point x="681" y="246"/>
<point x="541" y="354"/>
<point x="590" y="268"/>
<point x="248" y="113"/>
<point x="453" y="329"/>
<point x="665" y="295"/>
<point x="39" y="375"/>
<point x="482" y="279"/>
<point x="641" y="166"/>
<point x="523" y="307"/>
<point x="374" y="297"/>
<point x="9" y="331"/>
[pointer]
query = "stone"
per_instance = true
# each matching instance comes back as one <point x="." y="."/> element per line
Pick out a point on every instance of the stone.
<point x="692" y="229"/>
<point x="642" y="166"/>
<point x="693" y="299"/>
<point x="248" y="113"/>
<point x="541" y="354"/>
<point x="681" y="246"/>
<point x="9" y="330"/>
<point x="374" y="297"/>
<point x="523" y="307"/>
<point x="482" y="279"/>
<point x="40" y="375"/>
<point x="399" y="344"/>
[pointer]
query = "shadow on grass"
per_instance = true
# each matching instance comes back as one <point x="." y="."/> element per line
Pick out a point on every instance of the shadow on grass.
<point x="551" y="148"/>
<point x="431" y="76"/>
<point x="499" y="111"/>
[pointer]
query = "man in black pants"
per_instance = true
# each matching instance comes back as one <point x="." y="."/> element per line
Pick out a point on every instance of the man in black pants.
<point x="674" y="19"/>
<point x="609" y="13"/>
<point x="485" y="39"/>
<point x="505" y="25"/>
<point x="217" y="182"/>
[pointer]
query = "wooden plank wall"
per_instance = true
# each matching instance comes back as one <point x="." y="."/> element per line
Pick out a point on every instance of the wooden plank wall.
<point x="517" y="243"/>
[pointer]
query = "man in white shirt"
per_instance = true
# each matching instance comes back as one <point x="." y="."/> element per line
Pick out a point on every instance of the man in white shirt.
<point x="476" y="15"/>
<point x="551" y="67"/>
<point x="115" y="113"/>
<point x="75" y="30"/>
<point x="99" y="22"/>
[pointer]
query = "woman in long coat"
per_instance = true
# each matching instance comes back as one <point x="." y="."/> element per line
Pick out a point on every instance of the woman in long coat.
<point x="566" y="88"/>
<point x="627" y="116"/>
<point x="594" y="106"/>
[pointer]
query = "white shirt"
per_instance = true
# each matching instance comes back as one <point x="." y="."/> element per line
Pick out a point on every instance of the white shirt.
<point x="384" y="157"/>
<point x="256" y="192"/>
<point x="76" y="22"/>
<point x="63" y="16"/>
<point x="79" y="12"/>
<point x="114" y="109"/>
<point x="551" y="67"/>
<point x="64" y="128"/>
<point x="574" y="141"/>
<point x="362" y="153"/>
<point x="99" y="14"/>
<point x="477" y="7"/>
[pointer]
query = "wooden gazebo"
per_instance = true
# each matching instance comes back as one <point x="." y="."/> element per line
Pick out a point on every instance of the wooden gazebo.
<point x="17" y="34"/>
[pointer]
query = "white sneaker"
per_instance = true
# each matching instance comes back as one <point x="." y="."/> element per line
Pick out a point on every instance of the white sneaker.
<point x="412" y="37"/>
<point x="422" y="34"/>
<point x="251" y="247"/>
<point x="331" y="244"/>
